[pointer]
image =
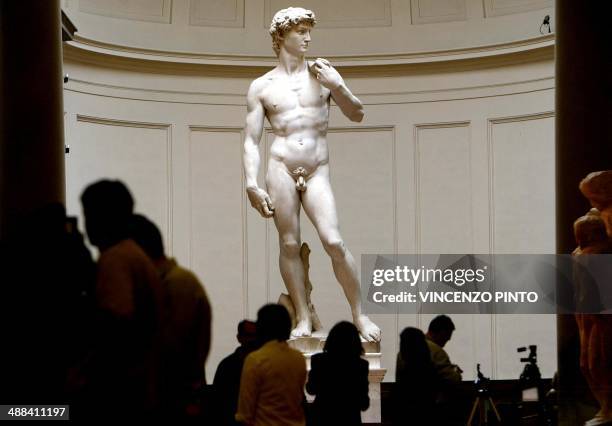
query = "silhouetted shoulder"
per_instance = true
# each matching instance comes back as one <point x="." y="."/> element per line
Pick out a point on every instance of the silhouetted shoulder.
<point x="317" y="359"/>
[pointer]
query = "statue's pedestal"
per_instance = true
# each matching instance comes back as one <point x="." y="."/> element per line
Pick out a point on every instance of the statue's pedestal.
<point x="314" y="344"/>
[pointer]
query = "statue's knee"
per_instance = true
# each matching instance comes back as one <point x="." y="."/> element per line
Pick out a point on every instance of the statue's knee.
<point x="290" y="248"/>
<point x="335" y="248"/>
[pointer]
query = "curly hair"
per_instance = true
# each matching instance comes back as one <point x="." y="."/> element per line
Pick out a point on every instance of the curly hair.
<point x="590" y="229"/>
<point x="597" y="187"/>
<point x="285" y="19"/>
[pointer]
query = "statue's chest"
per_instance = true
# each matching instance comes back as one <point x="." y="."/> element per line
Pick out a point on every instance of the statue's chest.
<point x="291" y="94"/>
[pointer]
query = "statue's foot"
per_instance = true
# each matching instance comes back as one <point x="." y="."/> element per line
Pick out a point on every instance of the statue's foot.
<point x="303" y="328"/>
<point x="367" y="328"/>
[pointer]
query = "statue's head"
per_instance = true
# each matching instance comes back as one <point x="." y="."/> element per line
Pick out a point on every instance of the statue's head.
<point x="590" y="229"/>
<point x="597" y="187"/>
<point x="287" y="19"/>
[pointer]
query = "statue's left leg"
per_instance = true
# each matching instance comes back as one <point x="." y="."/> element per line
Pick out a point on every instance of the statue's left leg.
<point x="320" y="206"/>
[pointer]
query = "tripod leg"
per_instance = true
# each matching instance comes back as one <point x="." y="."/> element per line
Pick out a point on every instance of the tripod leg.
<point x="474" y="407"/>
<point x="495" y="410"/>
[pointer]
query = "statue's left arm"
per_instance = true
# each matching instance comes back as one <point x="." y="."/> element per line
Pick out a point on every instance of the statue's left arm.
<point x="348" y="103"/>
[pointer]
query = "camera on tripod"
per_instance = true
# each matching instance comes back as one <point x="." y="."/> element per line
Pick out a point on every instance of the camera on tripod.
<point x="483" y="408"/>
<point x="531" y="376"/>
<point x="481" y="383"/>
<point x="531" y="388"/>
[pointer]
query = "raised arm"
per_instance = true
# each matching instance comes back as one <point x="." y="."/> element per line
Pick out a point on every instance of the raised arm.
<point x="253" y="129"/>
<point x="348" y="103"/>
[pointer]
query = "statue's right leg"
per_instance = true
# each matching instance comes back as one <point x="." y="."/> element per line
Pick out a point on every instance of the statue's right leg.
<point x="286" y="202"/>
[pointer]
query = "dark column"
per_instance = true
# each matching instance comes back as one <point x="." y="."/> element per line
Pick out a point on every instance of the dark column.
<point x="584" y="144"/>
<point x="31" y="109"/>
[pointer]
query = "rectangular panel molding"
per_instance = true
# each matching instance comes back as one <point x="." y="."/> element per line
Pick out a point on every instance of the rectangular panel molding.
<point x="430" y="11"/>
<point x="216" y="188"/>
<point x="218" y="240"/>
<point x="151" y="176"/>
<point x="216" y="13"/>
<point x="508" y="7"/>
<point x="513" y="242"/>
<point x="137" y="10"/>
<point x="443" y="187"/>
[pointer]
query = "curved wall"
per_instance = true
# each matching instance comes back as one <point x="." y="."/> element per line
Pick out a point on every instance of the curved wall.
<point x="452" y="156"/>
<point x="344" y="28"/>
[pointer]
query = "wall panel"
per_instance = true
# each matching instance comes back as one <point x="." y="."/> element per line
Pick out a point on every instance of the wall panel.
<point x="444" y="194"/>
<point x="139" y="10"/>
<point x="523" y="221"/>
<point x="218" y="233"/>
<point x="217" y="13"/>
<point x="137" y="153"/>
<point x="522" y="176"/>
<point x="429" y="11"/>
<point x="507" y="7"/>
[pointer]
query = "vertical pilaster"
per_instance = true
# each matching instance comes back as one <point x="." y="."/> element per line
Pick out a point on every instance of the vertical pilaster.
<point x="31" y="109"/>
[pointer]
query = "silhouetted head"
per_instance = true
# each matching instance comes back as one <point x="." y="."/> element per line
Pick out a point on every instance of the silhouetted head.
<point x="441" y="329"/>
<point x="247" y="333"/>
<point x="413" y="347"/>
<point x="108" y="207"/>
<point x="147" y="235"/>
<point x="343" y="341"/>
<point x="273" y="323"/>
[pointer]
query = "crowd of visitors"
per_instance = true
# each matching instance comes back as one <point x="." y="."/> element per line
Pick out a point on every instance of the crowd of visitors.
<point x="128" y="336"/>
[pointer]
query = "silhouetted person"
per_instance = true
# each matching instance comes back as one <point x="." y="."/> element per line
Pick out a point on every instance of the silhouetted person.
<point x="414" y="393"/>
<point x="226" y="383"/>
<point x="438" y="334"/>
<point x="47" y="277"/>
<point x="339" y="378"/>
<point x="448" y="374"/>
<point x="272" y="381"/>
<point x="187" y="326"/>
<point x="129" y="299"/>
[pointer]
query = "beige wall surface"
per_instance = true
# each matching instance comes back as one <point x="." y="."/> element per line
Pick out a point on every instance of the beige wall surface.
<point x="345" y="27"/>
<point x="452" y="157"/>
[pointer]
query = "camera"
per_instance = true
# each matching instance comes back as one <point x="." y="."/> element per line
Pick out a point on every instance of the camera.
<point x="531" y="373"/>
<point x="481" y="383"/>
<point x="531" y="388"/>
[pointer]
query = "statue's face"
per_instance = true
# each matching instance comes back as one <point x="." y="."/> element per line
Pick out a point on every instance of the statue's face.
<point x="296" y="40"/>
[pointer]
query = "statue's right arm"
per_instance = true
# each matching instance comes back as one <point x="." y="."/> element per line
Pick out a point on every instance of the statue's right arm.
<point x="253" y="129"/>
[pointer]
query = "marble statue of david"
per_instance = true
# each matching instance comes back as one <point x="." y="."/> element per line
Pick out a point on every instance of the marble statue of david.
<point x="295" y="98"/>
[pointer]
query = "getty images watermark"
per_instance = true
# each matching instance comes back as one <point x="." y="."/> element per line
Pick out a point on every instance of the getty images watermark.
<point x="489" y="284"/>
